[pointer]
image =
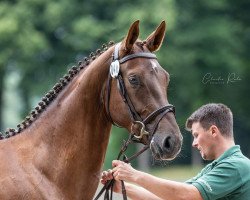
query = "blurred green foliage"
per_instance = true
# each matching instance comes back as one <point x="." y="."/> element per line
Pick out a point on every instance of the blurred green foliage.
<point x="40" y="39"/>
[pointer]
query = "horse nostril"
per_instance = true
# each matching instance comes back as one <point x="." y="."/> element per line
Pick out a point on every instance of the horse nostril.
<point x="167" y="144"/>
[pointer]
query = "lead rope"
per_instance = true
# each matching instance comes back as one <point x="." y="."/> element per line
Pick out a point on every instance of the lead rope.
<point x="108" y="187"/>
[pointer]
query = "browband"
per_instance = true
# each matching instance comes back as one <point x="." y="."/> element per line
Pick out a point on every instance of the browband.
<point x="131" y="56"/>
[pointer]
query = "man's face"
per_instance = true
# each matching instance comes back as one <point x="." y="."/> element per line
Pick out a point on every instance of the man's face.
<point x="203" y="141"/>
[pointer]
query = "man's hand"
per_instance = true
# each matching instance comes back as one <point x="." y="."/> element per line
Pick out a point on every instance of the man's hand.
<point x="121" y="171"/>
<point x="107" y="176"/>
<point x="124" y="171"/>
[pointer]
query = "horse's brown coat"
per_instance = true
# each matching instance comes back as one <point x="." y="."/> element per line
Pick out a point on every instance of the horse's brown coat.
<point x="61" y="154"/>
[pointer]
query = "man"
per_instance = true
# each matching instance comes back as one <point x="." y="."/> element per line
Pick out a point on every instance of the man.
<point x="226" y="178"/>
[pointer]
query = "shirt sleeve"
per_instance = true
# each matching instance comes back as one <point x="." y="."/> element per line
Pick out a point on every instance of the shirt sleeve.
<point x="221" y="181"/>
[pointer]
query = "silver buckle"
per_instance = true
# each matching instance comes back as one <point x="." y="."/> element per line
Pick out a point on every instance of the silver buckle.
<point x="142" y="131"/>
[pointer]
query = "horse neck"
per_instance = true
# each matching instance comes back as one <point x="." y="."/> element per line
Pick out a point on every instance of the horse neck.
<point x="72" y="135"/>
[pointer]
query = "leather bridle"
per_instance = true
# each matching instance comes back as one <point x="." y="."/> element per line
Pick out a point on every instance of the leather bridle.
<point x="135" y="117"/>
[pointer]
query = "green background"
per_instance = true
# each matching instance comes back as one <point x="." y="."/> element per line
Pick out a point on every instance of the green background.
<point x="41" y="39"/>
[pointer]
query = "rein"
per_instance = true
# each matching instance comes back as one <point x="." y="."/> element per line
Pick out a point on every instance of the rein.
<point x="134" y="115"/>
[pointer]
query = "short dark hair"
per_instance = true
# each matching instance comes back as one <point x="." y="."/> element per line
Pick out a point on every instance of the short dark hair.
<point x="210" y="114"/>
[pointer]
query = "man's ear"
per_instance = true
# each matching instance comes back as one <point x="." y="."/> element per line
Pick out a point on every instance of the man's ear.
<point x="155" y="39"/>
<point x="214" y="130"/>
<point x="131" y="37"/>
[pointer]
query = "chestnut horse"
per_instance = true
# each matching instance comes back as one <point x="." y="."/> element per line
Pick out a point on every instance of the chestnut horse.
<point x="58" y="151"/>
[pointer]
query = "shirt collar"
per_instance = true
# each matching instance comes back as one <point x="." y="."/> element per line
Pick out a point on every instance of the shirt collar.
<point x="234" y="149"/>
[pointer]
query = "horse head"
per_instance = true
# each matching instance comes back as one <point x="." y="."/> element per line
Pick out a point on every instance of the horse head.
<point x="137" y="93"/>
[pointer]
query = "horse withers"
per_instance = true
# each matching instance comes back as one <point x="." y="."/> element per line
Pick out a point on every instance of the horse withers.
<point x="58" y="151"/>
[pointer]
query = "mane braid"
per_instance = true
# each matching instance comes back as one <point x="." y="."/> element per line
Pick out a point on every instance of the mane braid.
<point x="54" y="92"/>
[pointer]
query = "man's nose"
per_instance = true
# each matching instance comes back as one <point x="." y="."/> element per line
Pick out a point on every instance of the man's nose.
<point x="194" y="144"/>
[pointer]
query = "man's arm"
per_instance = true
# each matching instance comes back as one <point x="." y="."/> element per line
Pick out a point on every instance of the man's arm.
<point x="138" y="193"/>
<point x="166" y="189"/>
<point x="133" y="192"/>
<point x="163" y="189"/>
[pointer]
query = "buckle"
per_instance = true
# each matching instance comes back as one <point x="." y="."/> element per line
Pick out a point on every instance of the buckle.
<point x="142" y="131"/>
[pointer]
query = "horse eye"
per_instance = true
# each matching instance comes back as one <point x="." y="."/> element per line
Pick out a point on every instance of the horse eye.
<point x="134" y="80"/>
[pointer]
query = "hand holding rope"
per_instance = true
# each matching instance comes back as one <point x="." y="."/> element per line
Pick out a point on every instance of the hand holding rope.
<point x="108" y="187"/>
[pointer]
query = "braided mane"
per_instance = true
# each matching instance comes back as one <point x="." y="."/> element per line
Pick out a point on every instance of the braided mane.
<point x="54" y="92"/>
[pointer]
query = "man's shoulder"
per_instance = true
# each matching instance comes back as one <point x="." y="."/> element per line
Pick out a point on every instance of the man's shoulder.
<point x="243" y="166"/>
<point x="234" y="156"/>
<point x="238" y="163"/>
<point x="237" y="160"/>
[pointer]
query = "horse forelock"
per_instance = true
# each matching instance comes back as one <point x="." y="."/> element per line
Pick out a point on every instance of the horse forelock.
<point x="54" y="92"/>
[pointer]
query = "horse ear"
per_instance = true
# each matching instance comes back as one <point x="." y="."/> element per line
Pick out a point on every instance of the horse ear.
<point x="155" y="39"/>
<point x="131" y="37"/>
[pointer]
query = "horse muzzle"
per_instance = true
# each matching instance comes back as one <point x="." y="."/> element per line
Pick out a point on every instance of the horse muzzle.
<point x="165" y="146"/>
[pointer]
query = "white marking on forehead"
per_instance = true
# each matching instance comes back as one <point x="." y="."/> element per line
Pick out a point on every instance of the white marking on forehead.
<point x="153" y="64"/>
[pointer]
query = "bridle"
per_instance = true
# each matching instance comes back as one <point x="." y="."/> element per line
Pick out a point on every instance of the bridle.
<point x="134" y="115"/>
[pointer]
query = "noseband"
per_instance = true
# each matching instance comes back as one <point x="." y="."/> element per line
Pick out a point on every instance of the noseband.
<point x="136" y="119"/>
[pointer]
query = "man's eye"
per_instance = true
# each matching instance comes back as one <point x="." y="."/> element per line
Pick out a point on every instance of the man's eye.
<point x="134" y="80"/>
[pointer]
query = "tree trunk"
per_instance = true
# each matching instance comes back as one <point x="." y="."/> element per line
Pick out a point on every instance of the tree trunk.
<point x="143" y="159"/>
<point x="196" y="158"/>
